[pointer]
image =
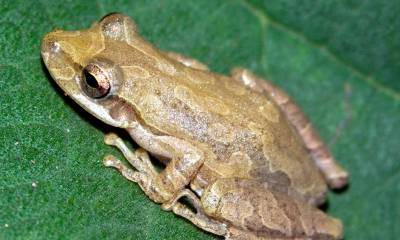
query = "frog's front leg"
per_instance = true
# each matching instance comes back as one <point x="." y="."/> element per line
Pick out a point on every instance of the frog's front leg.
<point x="135" y="176"/>
<point x="184" y="162"/>
<point x="334" y="174"/>
<point x="139" y="159"/>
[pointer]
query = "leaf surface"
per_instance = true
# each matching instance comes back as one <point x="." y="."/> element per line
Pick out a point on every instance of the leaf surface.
<point x="339" y="60"/>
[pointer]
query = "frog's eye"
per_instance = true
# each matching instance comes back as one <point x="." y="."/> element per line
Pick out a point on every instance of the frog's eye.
<point x="95" y="82"/>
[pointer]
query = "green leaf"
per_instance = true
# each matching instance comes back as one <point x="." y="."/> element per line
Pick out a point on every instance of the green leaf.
<point x="339" y="59"/>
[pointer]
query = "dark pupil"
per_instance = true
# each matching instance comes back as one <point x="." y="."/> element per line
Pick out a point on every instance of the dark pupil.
<point x="90" y="79"/>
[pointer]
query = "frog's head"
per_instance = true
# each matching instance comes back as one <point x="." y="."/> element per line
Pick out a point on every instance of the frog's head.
<point x="80" y="65"/>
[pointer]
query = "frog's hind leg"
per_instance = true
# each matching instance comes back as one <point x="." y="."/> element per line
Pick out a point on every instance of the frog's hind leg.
<point x="251" y="213"/>
<point x="335" y="175"/>
<point x="197" y="217"/>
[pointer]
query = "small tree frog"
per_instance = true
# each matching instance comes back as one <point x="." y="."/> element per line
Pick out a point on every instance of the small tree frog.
<point x="237" y="147"/>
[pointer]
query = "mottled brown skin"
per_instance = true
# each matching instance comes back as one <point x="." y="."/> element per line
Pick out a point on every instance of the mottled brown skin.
<point x="334" y="175"/>
<point x="242" y="150"/>
<point x="269" y="214"/>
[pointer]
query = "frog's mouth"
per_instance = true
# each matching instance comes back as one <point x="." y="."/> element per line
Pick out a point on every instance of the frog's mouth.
<point x="68" y="74"/>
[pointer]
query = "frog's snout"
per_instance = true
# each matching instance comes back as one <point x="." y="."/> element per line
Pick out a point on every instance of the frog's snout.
<point x="59" y="63"/>
<point x="57" y="55"/>
<point x="51" y="48"/>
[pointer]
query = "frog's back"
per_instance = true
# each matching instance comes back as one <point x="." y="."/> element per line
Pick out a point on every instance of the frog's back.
<point x="245" y="131"/>
<point x="252" y="138"/>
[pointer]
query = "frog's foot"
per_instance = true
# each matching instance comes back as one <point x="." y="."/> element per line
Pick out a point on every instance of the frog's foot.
<point x="145" y="181"/>
<point x="335" y="175"/>
<point x="146" y="174"/>
<point x="199" y="218"/>
<point x="139" y="159"/>
<point x="131" y="175"/>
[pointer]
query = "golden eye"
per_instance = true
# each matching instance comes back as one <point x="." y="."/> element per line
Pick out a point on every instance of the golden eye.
<point x="95" y="82"/>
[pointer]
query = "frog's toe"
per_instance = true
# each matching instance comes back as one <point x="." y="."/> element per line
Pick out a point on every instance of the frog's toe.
<point x="339" y="180"/>
<point x="110" y="138"/>
<point x="131" y="175"/>
<point x="111" y="161"/>
<point x="328" y="226"/>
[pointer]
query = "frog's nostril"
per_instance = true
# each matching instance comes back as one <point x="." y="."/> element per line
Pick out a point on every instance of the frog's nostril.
<point x="54" y="47"/>
<point x="50" y="46"/>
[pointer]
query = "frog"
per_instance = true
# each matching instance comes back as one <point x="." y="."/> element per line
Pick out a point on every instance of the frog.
<point x="237" y="147"/>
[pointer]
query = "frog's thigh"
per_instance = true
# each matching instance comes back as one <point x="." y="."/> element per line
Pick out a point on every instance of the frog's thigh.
<point x="265" y="213"/>
<point x="189" y="62"/>
<point x="335" y="175"/>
